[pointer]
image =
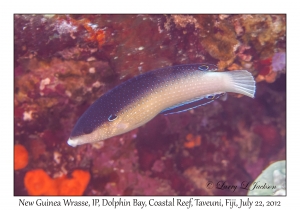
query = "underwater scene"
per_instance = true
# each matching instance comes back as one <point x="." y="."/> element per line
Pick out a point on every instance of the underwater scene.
<point x="113" y="104"/>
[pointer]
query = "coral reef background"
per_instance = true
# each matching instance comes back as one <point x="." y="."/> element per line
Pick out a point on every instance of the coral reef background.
<point x="63" y="63"/>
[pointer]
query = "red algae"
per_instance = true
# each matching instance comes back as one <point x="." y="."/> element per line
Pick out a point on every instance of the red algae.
<point x="37" y="148"/>
<point x="192" y="141"/>
<point x="270" y="138"/>
<point x="263" y="66"/>
<point x="63" y="63"/>
<point x="95" y="34"/>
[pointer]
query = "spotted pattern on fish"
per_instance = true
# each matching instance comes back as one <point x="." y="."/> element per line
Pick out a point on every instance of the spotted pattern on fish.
<point x="138" y="100"/>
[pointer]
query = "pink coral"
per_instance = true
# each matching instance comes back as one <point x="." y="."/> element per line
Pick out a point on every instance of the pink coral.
<point x="278" y="61"/>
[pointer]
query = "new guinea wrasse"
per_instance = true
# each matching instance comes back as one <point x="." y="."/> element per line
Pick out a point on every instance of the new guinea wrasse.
<point x="167" y="90"/>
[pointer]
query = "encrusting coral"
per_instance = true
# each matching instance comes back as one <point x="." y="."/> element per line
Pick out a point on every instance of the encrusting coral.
<point x="75" y="185"/>
<point x="38" y="182"/>
<point x="20" y="157"/>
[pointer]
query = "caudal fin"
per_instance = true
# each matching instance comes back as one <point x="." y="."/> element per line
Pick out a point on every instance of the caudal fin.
<point x="242" y="82"/>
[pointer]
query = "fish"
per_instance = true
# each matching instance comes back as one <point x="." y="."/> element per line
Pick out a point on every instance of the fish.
<point x="166" y="91"/>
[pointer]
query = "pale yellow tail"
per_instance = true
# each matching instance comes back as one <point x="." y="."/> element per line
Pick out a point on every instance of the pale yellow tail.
<point x="242" y="82"/>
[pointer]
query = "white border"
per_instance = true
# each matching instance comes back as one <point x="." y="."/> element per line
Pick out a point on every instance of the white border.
<point x="8" y="8"/>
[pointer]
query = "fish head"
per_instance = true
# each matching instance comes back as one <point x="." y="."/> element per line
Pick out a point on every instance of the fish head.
<point x="98" y="125"/>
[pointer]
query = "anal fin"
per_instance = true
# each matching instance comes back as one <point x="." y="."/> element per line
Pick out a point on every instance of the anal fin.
<point x="187" y="105"/>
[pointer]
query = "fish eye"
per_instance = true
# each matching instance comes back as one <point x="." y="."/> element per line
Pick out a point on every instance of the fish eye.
<point x="203" y="67"/>
<point x="210" y="97"/>
<point x="112" y="117"/>
<point x="87" y="130"/>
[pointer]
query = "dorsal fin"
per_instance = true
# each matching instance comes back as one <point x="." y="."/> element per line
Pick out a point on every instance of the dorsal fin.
<point x="182" y="107"/>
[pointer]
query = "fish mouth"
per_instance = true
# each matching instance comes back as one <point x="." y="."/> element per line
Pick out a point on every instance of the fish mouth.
<point x="72" y="143"/>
